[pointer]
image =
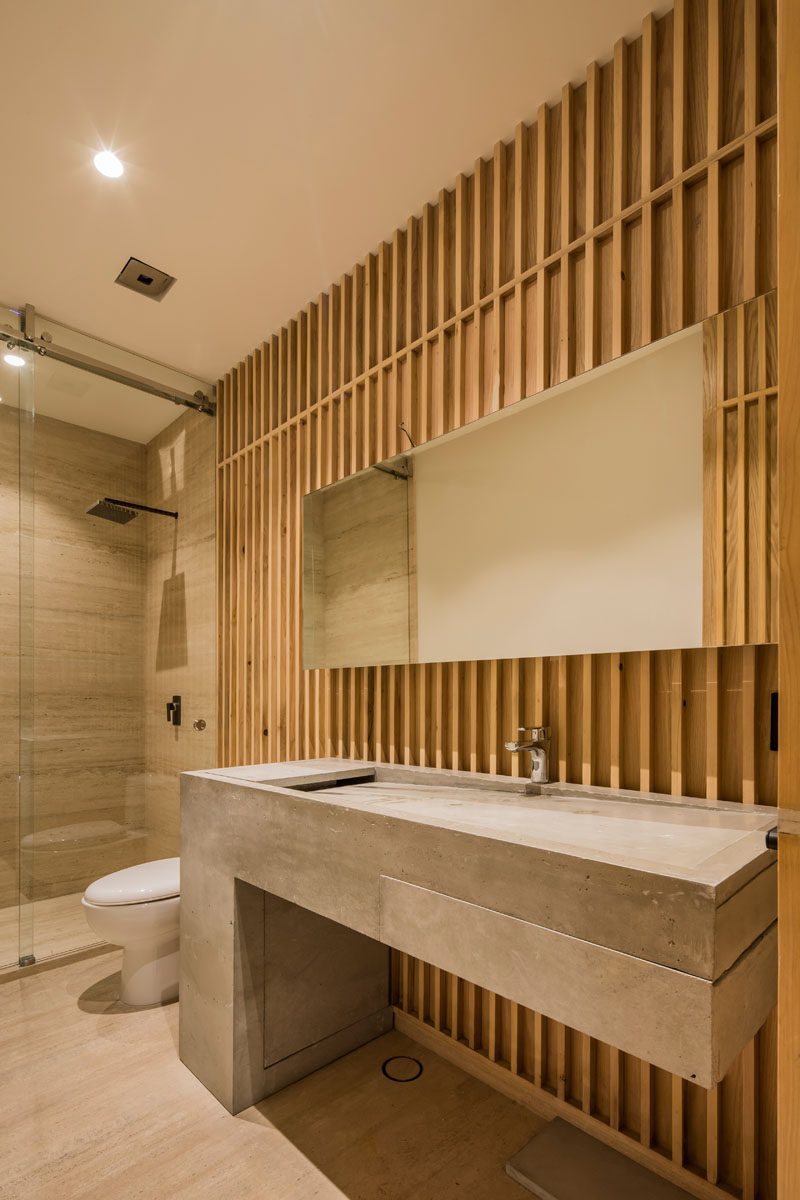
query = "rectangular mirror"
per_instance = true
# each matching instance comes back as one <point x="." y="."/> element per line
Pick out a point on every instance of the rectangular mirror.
<point x="570" y="522"/>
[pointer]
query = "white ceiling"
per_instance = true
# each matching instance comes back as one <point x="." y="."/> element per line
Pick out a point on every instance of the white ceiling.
<point x="268" y="145"/>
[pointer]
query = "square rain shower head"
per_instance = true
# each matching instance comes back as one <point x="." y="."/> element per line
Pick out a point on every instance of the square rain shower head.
<point x="110" y="511"/>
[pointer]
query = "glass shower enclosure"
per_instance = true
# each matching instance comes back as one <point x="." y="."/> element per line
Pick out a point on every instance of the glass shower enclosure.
<point x="106" y="614"/>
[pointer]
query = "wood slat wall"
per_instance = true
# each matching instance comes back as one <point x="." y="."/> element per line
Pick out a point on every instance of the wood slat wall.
<point x="740" y="455"/>
<point x="683" y="722"/>
<point x="643" y="202"/>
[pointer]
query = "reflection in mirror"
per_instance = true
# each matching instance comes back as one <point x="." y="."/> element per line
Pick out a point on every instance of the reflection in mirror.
<point x="571" y="522"/>
<point x="358" y="575"/>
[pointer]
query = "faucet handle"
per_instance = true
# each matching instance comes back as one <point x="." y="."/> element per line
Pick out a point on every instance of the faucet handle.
<point x="538" y="733"/>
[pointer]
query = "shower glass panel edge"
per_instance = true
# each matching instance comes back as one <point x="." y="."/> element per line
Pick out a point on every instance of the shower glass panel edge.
<point x="25" y="809"/>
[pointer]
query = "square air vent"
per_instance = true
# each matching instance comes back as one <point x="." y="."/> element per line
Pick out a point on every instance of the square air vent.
<point x="146" y="280"/>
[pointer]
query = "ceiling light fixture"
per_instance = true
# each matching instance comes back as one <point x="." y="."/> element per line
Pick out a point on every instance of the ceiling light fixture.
<point x="14" y="360"/>
<point x="108" y="164"/>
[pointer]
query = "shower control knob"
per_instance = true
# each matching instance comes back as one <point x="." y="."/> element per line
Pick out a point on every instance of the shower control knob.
<point x="199" y="724"/>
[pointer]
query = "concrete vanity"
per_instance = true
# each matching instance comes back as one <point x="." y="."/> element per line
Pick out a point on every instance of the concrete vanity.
<point x="648" y="922"/>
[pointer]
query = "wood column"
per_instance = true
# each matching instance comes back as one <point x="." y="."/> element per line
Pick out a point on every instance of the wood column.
<point x="789" y="567"/>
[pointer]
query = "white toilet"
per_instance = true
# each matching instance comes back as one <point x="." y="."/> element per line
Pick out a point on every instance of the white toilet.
<point x="138" y="908"/>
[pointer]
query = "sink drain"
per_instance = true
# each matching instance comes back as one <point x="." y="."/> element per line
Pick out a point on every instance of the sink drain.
<point x="402" y="1069"/>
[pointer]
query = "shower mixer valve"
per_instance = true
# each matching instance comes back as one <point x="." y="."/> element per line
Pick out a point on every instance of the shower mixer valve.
<point x="174" y="710"/>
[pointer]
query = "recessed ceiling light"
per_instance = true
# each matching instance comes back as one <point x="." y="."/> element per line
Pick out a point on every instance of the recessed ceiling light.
<point x="14" y="360"/>
<point x="108" y="164"/>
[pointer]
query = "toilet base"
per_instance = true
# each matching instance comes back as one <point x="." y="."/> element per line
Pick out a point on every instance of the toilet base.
<point x="149" y="972"/>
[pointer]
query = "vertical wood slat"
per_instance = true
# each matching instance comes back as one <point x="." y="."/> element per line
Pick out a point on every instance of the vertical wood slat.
<point x="678" y="1119"/>
<point x="741" y="556"/>
<point x="542" y="247"/>
<point x="592" y="213"/>
<point x="712" y="1135"/>
<point x="645" y="1104"/>
<point x="535" y="245"/>
<point x="679" y="48"/>
<point x="615" y="1086"/>
<point x="749" y="1122"/>
<point x="618" y="192"/>
<point x="565" y="334"/>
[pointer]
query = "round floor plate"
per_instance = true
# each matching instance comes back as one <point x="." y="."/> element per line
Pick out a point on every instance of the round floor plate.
<point x="403" y="1068"/>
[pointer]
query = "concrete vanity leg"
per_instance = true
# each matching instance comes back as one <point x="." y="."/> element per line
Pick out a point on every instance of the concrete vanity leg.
<point x="326" y="991"/>
<point x="304" y="991"/>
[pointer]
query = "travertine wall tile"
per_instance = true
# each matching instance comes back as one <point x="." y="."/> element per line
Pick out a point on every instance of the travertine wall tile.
<point x="89" y="580"/>
<point x="180" y="637"/>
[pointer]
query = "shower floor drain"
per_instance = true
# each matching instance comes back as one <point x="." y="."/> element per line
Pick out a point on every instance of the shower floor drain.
<point x="402" y="1069"/>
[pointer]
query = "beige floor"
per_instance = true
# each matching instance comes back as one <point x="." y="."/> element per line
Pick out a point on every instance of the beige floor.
<point x="59" y="927"/>
<point x="96" y="1104"/>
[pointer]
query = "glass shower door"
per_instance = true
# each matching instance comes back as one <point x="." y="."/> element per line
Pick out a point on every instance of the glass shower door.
<point x="106" y="613"/>
<point x="16" y="645"/>
<point x="88" y="612"/>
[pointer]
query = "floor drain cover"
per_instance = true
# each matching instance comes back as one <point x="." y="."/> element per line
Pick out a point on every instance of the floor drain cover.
<point x="402" y="1069"/>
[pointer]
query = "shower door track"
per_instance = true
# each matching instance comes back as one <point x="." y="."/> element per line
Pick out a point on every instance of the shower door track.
<point x="27" y="340"/>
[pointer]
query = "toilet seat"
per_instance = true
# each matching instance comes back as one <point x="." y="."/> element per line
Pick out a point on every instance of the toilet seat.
<point x="142" y="884"/>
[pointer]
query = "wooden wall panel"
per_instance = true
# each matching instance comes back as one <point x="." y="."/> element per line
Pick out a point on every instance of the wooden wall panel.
<point x="689" y="722"/>
<point x="789" y="655"/>
<point x="642" y="202"/>
<point x="740" y="466"/>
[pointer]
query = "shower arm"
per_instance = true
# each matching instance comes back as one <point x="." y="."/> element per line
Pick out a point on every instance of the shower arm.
<point x="26" y="340"/>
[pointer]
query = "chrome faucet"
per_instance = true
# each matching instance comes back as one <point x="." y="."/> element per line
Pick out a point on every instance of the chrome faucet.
<point x="538" y="746"/>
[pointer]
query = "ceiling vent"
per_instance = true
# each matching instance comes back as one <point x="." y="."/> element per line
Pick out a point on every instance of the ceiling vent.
<point x="146" y="280"/>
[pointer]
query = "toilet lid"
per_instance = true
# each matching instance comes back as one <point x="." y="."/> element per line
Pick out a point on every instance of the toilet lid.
<point x="135" y="885"/>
